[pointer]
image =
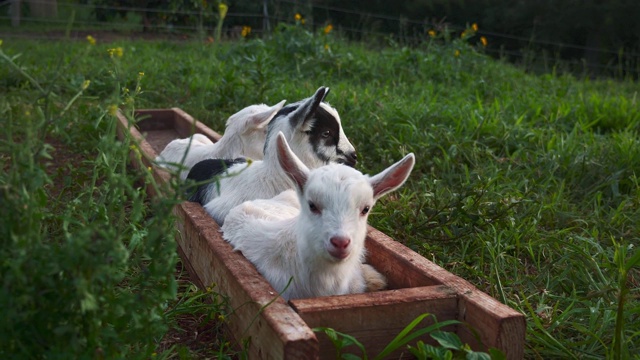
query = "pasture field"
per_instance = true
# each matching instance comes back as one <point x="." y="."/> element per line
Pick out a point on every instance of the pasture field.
<point x="526" y="185"/>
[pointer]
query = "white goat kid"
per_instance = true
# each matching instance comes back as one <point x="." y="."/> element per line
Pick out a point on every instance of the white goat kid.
<point x="322" y="247"/>
<point x="311" y="127"/>
<point x="244" y="136"/>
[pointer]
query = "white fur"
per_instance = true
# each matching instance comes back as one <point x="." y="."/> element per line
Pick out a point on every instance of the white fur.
<point x="319" y="247"/>
<point x="244" y="136"/>
<point x="266" y="179"/>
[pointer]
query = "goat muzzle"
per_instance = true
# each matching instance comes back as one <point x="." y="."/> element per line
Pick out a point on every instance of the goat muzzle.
<point x="350" y="159"/>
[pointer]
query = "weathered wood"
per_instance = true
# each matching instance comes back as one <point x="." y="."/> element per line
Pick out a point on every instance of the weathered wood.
<point x="497" y="325"/>
<point x="376" y="318"/>
<point x="143" y="152"/>
<point x="283" y="330"/>
<point x="275" y="330"/>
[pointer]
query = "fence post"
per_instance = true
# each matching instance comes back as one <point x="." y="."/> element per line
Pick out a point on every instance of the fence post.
<point x="266" y="26"/>
<point x="43" y="8"/>
<point x="15" y="12"/>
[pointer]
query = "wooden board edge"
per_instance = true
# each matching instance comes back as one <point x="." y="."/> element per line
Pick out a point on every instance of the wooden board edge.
<point x="387" y="297"/>
<point x="507" y="326"/>
<point x="260" y="313"/>
<point x="375" y="319"/>
<point x="492" y="326"/>
<point x="199" y="126"/>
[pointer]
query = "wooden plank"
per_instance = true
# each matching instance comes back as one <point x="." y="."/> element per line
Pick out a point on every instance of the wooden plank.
<point x="375" y="319"/>
<point x="275" y="330"/>
<point x="185" y="127"/>
<point x="145" y="152"/>
<point x="497" y="324"/>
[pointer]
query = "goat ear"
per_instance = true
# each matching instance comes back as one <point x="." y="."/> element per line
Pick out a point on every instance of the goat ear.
<point x="308" y="107"/>
<point x="297" y="171"/>
<point x="393" y="177"/>
<point x="263" y="118"/>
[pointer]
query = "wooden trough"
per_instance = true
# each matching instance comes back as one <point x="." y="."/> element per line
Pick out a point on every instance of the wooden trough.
<point x="277" y="329"/>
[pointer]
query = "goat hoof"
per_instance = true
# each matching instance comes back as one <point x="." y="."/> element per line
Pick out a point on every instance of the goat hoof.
<point x="373" y="280"/>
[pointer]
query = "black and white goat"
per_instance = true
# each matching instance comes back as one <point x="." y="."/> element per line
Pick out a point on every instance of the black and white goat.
<point x="320" y="245"/>
<point x="315" y="134"/>
<point x="244" y="136"/>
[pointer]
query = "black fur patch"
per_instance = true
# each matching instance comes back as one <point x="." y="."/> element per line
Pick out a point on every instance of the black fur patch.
<point x="279" y="116"/>
<point x="324" y="132"/>
<point x="287" y="110"/>
<point x="207" y="170"/>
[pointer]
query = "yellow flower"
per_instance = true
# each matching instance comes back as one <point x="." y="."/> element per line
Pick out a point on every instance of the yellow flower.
<point x="328" y="28"/>
<point x="456" y="53"/>
<point x="432" y="33"/>
<point x="149" y="168"/>
<point x="141" y="74"/>
<point x="112" y="110"/>
<point x="474" y="26"/>
<point x="298" y="17"/>
<point x="463" y="34"/>
<point x="221" y="317"/>
<point x="85" y="84"/>
<point x="303" y="21"/>
<point x="222" y="10"/>
<point x="91" y="40"/>
<point x="246" y="30"/>
<point x="116" y="52"/>
<point x="484" y="41"/>
<point x="326" y="47"/>
<point x="0" y="42"/>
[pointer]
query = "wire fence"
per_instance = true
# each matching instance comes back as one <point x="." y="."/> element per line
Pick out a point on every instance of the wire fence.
<point x="265" y="17"/>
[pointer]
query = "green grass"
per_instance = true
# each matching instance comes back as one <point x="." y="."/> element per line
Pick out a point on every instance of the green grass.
<point x="525" y="185"/>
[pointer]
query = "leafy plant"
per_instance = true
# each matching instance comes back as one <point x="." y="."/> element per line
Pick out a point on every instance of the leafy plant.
<point x="624" y="264"/>
<point x="451" y="347"/>
<point x="87" y="267"/>
<point x="449" y="342"/>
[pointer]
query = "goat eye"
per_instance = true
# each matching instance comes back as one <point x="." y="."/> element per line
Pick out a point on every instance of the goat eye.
<point x="326" y="134"/>
<point x="365" y="210"/>
<point x="314" y="209"/>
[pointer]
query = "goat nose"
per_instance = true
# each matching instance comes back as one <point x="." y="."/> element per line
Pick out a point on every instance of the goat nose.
<point x="352" y="158"/>
<point x="340" y="242"/>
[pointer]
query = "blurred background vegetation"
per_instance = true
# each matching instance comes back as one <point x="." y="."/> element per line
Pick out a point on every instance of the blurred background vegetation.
<point x="596" y="37"/>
